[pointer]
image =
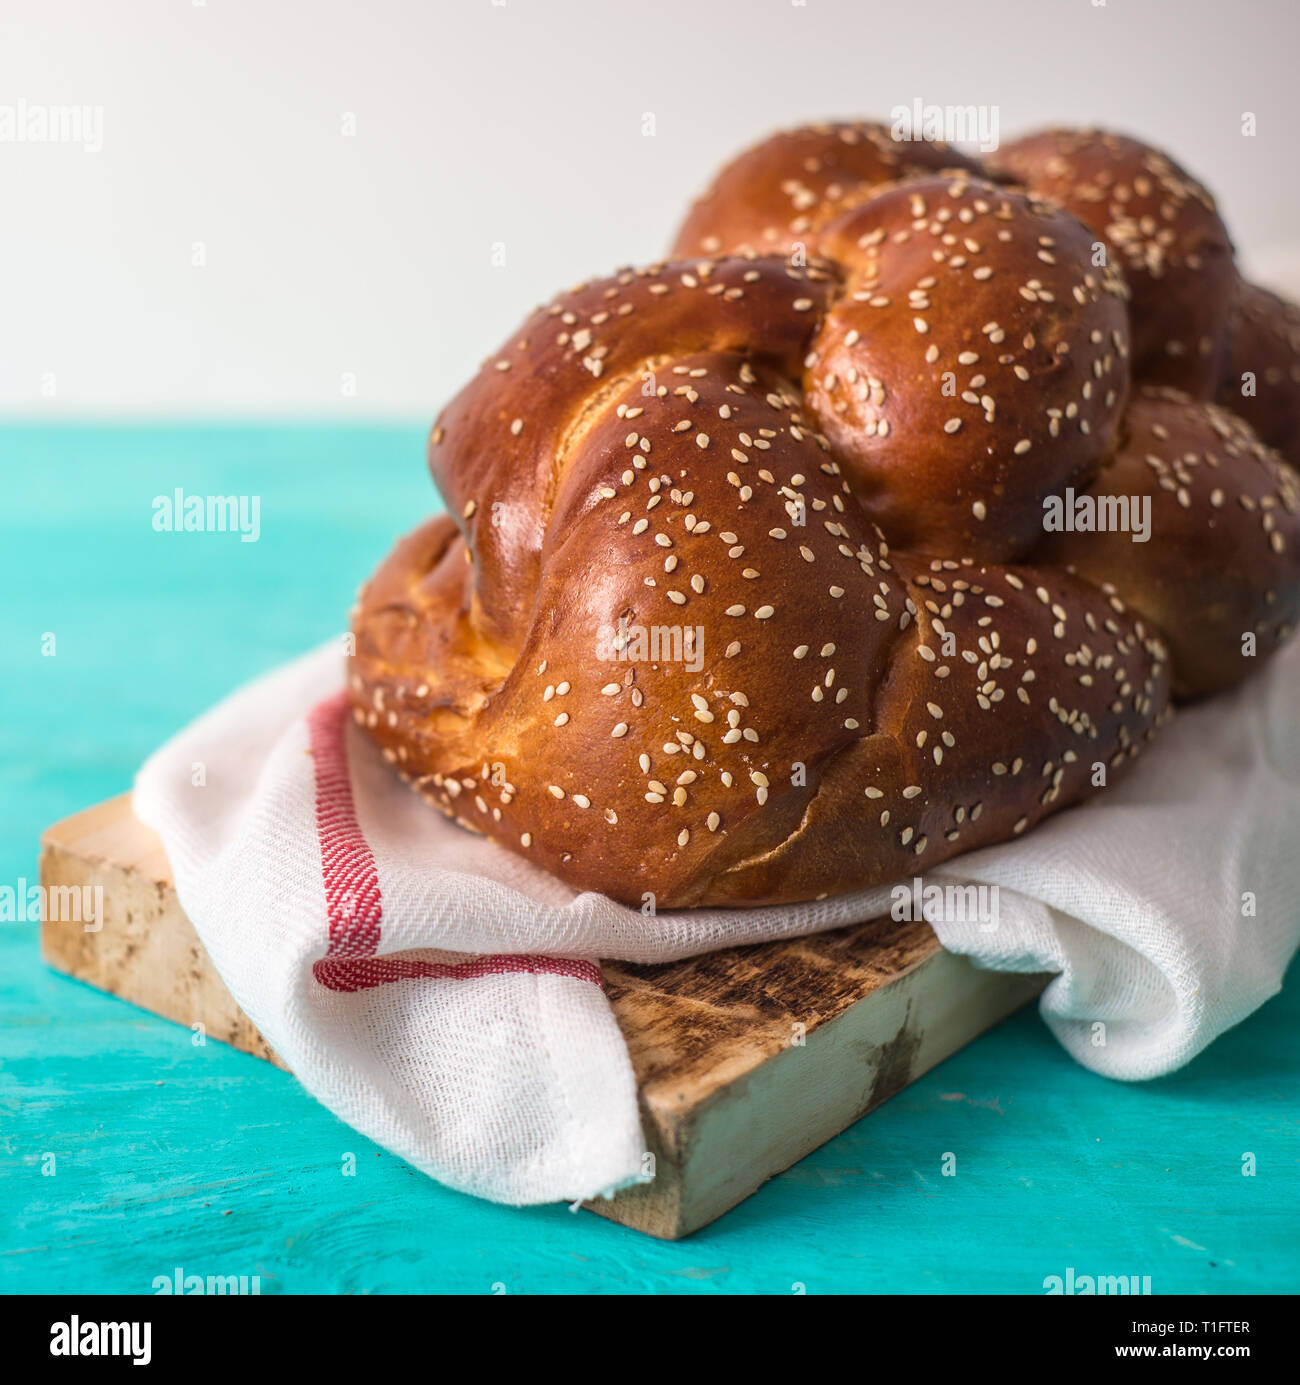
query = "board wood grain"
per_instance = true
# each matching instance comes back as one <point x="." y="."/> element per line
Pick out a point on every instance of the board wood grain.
<point x="746" y="1059"/>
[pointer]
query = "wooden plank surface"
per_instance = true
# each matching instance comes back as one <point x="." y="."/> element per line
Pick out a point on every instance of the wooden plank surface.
<point x="745" y="1059"/>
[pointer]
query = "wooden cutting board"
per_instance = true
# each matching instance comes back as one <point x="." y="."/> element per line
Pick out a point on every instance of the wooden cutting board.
<point x="746" y="1060"/>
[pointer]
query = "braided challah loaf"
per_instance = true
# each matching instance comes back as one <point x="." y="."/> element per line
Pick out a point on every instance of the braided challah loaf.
<point x="722" y="612"/>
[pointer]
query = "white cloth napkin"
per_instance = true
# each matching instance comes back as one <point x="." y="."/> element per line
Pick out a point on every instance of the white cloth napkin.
<point x="443" y="996"/>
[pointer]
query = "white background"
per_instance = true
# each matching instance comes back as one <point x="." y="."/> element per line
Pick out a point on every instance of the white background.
<point x="516" y="123"/>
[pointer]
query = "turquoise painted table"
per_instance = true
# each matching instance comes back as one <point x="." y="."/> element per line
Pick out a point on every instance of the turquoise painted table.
<point x="166" y="1154"/>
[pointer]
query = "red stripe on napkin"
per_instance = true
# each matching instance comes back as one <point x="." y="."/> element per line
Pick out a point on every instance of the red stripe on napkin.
<point x="355" y="974"/>
<point x="352" y="896"/>
<point x="351" y="879"/>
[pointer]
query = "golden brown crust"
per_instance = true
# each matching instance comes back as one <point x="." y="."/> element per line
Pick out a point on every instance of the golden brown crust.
<point x="974" y="363"/>
<point x="829" y="751"/>
<point x="501" y="447"/>
<point x="1262" y="376"/>
<point x="774" y="197"/>
<point x="1218" y="573"/>
<point x="1174" y="247"/>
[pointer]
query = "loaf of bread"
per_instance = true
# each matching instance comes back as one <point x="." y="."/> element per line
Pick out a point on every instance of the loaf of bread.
<point x="875" y="526"/>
